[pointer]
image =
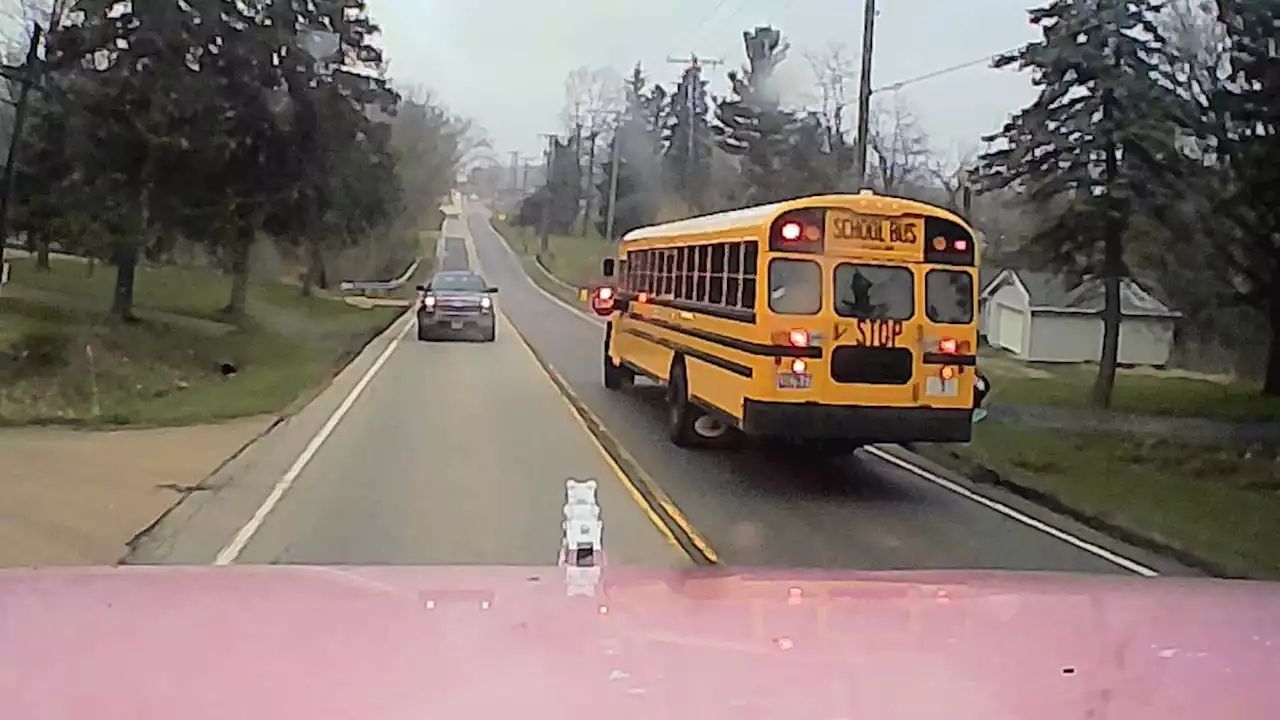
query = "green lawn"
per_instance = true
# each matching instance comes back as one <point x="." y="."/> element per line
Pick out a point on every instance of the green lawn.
<point x="1222" y="505"/>
<point x="62" y="360"/>
<point x="1070" y="385"/>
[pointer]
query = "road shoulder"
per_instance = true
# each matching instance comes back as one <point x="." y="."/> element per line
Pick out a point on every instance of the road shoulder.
<point x="198" y="526"/>
<point x="74" y="497"/>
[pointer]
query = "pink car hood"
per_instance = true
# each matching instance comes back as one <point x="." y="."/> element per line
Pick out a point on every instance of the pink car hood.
<point x="508" y="643"/>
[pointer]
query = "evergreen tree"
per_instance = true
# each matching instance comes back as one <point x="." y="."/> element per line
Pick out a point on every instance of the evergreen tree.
<point x="753" y="125"/>
<point x="1246" y="115"/>
<point x="688" y="140"/>
<point x="1099" y="139"/>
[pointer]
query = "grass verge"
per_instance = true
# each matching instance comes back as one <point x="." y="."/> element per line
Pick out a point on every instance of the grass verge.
<point x="63" y="361"/>
<point x="1141" y="391"/>
<point x="1218" y="510"/>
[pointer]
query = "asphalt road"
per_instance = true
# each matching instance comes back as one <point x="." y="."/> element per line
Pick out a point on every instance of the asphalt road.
<point x="760" y="510"/>
<point x="457" y="453"/>
<point x="453" y="453"/>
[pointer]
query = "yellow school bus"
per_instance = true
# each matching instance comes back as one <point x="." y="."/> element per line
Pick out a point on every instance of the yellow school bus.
<point x="831" y="321"/>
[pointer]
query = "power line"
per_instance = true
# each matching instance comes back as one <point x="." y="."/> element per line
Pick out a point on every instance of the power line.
<point x="738" y="42"/>
<point x="894" y="87"/>
<point x="697" y="29"/>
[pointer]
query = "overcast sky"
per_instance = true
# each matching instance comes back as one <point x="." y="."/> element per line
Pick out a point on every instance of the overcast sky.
<point x="503" y="62"/>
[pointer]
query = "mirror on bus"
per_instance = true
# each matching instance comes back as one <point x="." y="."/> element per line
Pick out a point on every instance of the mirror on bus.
<point x="606" y="267"/>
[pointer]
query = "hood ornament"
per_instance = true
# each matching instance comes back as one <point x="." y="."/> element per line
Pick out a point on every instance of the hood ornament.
<point x="582" y="550"/>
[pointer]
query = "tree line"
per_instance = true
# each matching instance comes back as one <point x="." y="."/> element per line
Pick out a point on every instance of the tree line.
<point x="216" y="124"/>
<point x="1148" y="153"/>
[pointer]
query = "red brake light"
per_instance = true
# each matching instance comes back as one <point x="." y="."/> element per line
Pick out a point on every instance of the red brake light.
<point x="602" y="300"/>
<point x="798" y="338"/>
<point x="798" y="231"/>
<point x="948" y="345"/>
<point x="961" y="245"/>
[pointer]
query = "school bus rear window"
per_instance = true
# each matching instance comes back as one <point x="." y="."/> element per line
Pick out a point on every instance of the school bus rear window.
<point x="795" y="287"/>
<point x="948" y="296"/>
<point x="874" y="292"/>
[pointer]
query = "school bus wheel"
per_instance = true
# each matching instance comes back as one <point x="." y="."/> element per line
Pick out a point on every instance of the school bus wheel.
<point x="616" y="377"/>
<point x="681" y="414"/>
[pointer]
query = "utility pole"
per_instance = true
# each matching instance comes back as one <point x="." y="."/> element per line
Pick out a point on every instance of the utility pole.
<point x="544" y="229"/>
<point x="615" y="157"/>
<point x="515" y="165"/>
<point x="590" y="180"/>
<point x="864" y="90"/>
<point x="577" y="164"/>
<point x="615" y="153"/>
<point x="30" y="75"/>
<point x="692" y="77"/>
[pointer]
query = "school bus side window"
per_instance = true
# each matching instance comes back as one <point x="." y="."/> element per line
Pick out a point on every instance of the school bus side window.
<point x="733" y="274"/>
<point x="795" y="286"/>
<point x="715" y="293"/>
<point x="639" y="271"/>
<point x="749" y="259"/>
<point x="948" y="296"/>
<point x="645" y="274"/>
<point x="678" y="273"/>
<point x="668" y="288"/>
<point x="874" y="292"/>
<point x="686" y="273"/>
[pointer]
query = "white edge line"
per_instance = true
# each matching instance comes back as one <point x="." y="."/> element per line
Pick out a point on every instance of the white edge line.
<point x="228" y="554"/>
<point x="941" y="482"/>
<point x="578" y="313"/>
<point x="1009" y="512"/>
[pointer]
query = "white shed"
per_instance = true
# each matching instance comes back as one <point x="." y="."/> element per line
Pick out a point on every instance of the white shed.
<point x="1039" y="317"/>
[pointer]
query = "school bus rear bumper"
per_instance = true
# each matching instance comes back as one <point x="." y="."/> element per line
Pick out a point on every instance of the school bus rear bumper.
<point x="856" y="422"/>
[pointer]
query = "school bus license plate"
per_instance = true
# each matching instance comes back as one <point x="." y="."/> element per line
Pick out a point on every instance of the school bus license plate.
<point x="789" y="381"/>
<point x="874" y="230"/>
<point x="941" y="388"/>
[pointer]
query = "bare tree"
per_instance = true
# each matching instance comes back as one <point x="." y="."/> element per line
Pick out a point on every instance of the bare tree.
<point x="834" y="69"/>
<point x="587" y="92"/>
<point x="899" y="150"/>
<point x="950" y="173"/>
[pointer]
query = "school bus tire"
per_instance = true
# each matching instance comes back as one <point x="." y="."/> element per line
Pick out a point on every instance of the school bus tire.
<point x="681" y="414"/>
<point x="616" y="377"/>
